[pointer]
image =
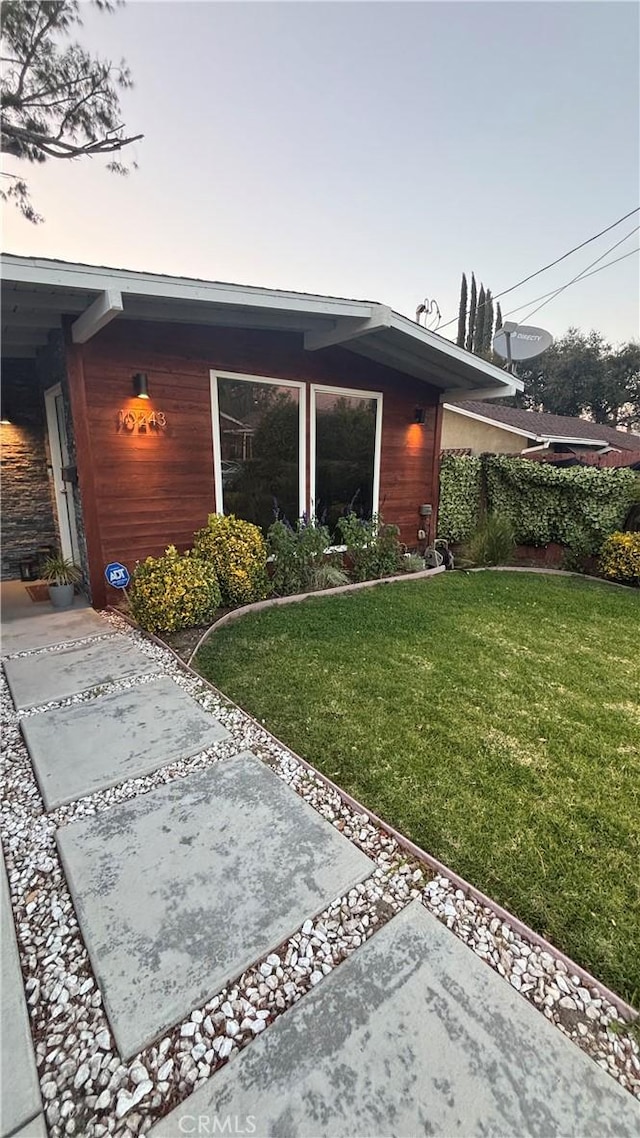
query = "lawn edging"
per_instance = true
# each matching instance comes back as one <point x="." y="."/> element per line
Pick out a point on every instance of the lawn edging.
<point x="626" y="1011"/>
<point x="540" y="569"/>
<point x="272" y="602"/>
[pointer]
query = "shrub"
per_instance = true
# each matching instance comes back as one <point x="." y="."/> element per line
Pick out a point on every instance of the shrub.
<point x="373" y="548"/>
<point x="300" y="561"/>
<point x="177" y="590"/>
<point x="620" y="558"/>
<point x="237" y="551"/>
<point x="492" y="543"/>
<point x="413" y="563"/>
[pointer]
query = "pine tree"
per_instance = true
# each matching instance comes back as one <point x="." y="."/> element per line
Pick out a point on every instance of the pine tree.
<point x="478" y="328"/>
<point x="498" y="318"/>
<point x="462" y="313"/>
<point x="487" y="328"/>
<point x="472" y="313"/>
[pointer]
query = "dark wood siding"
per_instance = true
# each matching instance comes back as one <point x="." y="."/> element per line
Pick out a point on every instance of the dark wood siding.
<point x="156" y="488"/>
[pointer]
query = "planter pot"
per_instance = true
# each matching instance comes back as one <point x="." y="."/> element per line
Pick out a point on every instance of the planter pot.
<point x="61" y="596"/>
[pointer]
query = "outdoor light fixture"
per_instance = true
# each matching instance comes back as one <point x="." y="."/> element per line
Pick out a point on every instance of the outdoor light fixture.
<point x="5" y="422"/>
<point x="141" y="385"/>
<point x="419" y="415"/>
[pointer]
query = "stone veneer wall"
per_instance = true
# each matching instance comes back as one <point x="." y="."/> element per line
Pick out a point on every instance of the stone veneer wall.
<point x="28" y="517"/>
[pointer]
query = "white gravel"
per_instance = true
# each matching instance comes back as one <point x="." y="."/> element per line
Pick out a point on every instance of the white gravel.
<point x="86" y="1088"/>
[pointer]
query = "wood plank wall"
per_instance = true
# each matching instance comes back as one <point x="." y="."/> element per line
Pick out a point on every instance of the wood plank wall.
<point x="150" y="489"/>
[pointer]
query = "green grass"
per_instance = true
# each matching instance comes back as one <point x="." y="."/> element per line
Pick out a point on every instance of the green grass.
<point x="494" y="718"/>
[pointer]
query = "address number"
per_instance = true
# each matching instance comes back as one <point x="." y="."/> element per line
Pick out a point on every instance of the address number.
<point x="141" y="420"/>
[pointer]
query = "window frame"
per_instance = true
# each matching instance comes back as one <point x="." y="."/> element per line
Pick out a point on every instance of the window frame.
<point x="325" y="389"/>
<point x="214" y="376"/>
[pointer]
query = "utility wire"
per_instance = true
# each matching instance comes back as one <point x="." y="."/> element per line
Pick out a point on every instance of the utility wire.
<point x="579" y="275"/>
<point x="552" y="263"/>
<point x="582" y="278"/>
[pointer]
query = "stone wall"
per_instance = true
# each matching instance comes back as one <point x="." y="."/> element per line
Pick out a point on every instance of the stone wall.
<point x="28" y="516"/>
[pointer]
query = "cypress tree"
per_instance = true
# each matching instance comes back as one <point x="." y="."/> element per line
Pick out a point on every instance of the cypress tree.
<point x="487" y="329"/>
<point x="472" y="313"/>
<point x="478" y="329"/>
<point x="462" y="313"/>
<point x="498" y="317"/>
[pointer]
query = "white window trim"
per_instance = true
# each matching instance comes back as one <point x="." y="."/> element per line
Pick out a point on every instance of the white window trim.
<point x="214" y="376"/>
<point x="318" y="388"/>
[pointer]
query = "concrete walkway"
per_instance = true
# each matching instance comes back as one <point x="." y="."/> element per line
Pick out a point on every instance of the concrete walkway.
<point x="182" y="887"/>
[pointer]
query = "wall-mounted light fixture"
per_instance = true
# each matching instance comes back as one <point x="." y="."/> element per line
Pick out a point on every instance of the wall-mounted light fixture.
<point x="5" y="422"/>
<point x="419" y="415"/>
<point x="141" y="385"/>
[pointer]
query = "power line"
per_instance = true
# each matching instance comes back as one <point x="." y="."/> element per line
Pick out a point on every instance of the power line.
<point x="579" y="275"/>
<point x="552" y="263"/>
<point x="582" y="278"/>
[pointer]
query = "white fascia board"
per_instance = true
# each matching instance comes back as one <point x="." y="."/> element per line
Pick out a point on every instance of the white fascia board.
<point x="492" y="422"/>
<point x="454" y="394"/>
<point x="453" y="352"/>
<point x="568" y="439"/>
<point x="346" y="329"/>
<point x="88" y="278"/>
<point x="103" y="310"/>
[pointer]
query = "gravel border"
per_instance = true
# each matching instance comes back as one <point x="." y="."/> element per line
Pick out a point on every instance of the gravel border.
<point x="86" y="1088"/>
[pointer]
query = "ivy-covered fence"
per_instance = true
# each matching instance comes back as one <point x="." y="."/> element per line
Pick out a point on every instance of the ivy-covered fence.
<point x="578" y="506"/>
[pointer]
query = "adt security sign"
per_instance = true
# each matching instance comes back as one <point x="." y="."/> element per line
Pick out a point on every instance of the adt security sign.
<point x="117" y="575"/>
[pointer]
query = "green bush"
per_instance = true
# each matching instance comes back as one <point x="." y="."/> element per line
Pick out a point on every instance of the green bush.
<point x="620" y="558"/>
<point x="492" y="543"/>
<point x="459" y="497"/>
<point x="576" y="506"/>
<point x="177" y="590"/>
<point x="373" y="548"/>
<point x="238" y="553"/>
<point x="300" y="563"/>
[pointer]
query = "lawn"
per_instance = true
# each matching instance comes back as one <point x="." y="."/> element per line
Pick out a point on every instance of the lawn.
<point x="492" y="717"/>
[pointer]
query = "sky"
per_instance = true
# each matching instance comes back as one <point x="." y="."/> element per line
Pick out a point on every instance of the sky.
<point x="366" y="150"/>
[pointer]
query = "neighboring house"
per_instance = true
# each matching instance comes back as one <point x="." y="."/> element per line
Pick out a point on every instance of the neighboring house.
<point x="134" y="404"/>
<point x="479" y="427"/>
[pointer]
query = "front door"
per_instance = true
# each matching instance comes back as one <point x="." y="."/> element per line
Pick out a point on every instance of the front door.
<point x="59" y="451"/>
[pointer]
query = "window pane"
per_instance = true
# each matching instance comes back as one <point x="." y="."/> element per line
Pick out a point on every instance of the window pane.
<point x="259" y="442"/>
<point x="345" y="448"/>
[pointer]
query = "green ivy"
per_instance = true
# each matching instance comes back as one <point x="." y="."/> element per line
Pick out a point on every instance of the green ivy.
<point x="577" y="506"/>
<point x="459" y="497"/>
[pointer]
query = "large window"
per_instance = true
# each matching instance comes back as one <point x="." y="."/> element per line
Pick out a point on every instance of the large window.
<point x="258" y="432"/>
<point x="345" y="453"/>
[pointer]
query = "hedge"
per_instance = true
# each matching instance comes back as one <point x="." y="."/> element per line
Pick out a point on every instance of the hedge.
<point x="577" y="506"/>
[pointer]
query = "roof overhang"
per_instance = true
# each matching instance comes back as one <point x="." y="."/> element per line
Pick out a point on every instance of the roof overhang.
<point x="37" y="293"/>
<point x="545" y="439"/>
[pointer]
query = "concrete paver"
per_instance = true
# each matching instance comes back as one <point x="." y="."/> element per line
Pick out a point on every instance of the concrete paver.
<point x="20" y="1099"/>
<point x="85" y="747"/>
<point x="181" y="889"/>
<point x="43" y="630"/>
<point x="56" y="675"/>
<point x="412" y="1035"/>
<point x="36" y="1128"/>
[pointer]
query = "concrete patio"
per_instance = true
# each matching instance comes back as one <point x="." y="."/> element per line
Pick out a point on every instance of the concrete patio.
<point x="192" y="882"/>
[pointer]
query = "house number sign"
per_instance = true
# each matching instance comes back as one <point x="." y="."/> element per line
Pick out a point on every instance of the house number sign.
<point x="141" y="421"/>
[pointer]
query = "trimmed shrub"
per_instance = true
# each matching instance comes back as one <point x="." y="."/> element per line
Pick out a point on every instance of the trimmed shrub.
<point x="238" y="553"/>
<point x="177" y="590"/>
<point x="620" y="558"/>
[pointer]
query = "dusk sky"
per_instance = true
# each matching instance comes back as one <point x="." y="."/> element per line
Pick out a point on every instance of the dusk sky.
<point x="369" y="150"/>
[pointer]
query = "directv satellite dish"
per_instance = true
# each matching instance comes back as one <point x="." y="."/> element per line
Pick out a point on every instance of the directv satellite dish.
<point x="521" y="341"/>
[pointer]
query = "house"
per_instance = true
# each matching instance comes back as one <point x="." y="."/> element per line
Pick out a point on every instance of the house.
<point x="478" y="427"/>
<point x="134" y="404"/>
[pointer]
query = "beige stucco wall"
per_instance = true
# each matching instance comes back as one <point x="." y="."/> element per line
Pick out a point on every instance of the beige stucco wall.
<point x="461" y="431"/>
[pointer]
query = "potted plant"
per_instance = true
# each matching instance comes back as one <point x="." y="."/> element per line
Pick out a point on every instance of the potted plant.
<point x="61" y="575"/>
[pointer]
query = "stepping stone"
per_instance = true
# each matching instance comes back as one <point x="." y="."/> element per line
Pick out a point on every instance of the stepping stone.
<point x="413" y="1034"/>
<point x="36" y="1128"/>
<point x="179" y="890"/>
<point x="52" y="676"/>
<point x="46" y="629"/>
<point x="18" y="1076"/>
<point x="86" y="747"/>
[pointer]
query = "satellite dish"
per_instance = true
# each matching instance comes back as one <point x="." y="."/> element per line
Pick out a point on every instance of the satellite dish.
<point x="521" y="341"/>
